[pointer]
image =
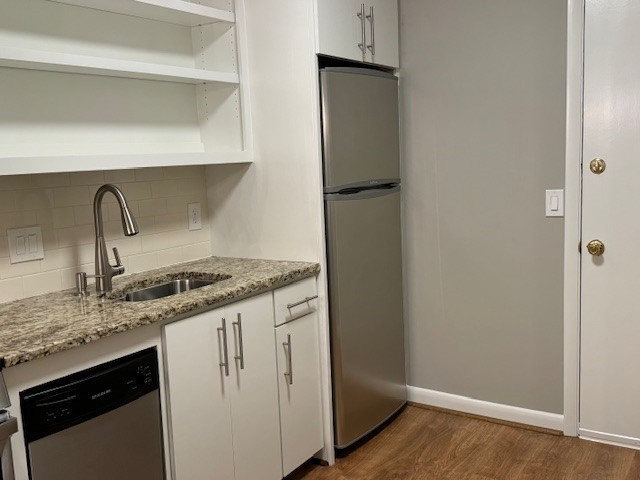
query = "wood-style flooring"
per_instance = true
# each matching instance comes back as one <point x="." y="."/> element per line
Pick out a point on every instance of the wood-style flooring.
<point x="423" y="444"/>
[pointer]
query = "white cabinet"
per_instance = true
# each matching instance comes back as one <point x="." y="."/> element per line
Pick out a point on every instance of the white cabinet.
<point x="125" y="83"/>
<point x="244" y="397"/>
<point x="361" y="31"/>
<point x="297" y="343"/>
<point x="223" y="398"/>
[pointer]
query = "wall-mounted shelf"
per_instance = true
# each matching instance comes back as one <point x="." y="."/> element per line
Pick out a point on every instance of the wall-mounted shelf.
<point x="83" y="163"/>
<point x="169" y="11"/>
<point x="147" y="83"/>
<point x="25" y="58"/>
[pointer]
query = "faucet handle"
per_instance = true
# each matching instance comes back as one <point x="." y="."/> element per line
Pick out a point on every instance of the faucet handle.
<point x="117" y="255"/>
<point x="118" y="268"/>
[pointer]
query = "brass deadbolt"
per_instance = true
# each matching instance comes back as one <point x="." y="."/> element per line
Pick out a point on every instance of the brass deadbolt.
<point x="595" y="248"/>
<point x="598" y="166"/>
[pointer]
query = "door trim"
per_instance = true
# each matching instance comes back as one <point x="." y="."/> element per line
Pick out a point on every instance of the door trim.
<point x="573" y="214"/>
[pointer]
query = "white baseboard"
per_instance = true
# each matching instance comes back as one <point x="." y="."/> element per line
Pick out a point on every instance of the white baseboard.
<point x="609" y="439"/>
<point x="433" y="398"/>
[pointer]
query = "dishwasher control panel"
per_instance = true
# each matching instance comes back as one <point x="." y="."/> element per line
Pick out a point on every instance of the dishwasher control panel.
<point x="68" y="401"/>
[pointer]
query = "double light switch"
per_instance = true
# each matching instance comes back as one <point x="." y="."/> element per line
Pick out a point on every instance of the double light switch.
<point x="25" y="244"/>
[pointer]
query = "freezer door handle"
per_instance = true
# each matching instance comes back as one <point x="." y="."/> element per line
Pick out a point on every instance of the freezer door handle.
<point x="362" y="195"/>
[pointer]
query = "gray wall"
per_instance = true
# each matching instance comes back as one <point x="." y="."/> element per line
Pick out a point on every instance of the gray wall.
<point x="483" y="113"/>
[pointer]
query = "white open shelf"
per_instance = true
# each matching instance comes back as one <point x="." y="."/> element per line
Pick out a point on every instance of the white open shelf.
<point x="29" y="59"/>
<point x="170" y="11"/>
<point x="84" y="163"/>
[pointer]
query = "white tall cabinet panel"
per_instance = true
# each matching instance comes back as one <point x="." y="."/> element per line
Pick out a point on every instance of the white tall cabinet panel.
<point x="360" y="30"/>
<point x="297" y="344"/>
<point x="199" y="393"/>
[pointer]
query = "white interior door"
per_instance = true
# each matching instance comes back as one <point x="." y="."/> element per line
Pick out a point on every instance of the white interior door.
<point x="610" y="325"/>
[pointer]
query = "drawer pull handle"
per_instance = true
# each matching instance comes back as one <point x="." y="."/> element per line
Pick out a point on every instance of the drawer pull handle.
<point x="297" y="304"/>
<point x="225" y="349"/>
<point x="289" y="373"/>
<point x="240" y="356"/>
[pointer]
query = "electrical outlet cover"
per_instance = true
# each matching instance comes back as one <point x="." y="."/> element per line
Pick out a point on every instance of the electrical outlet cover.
<point x="195" y="216"/>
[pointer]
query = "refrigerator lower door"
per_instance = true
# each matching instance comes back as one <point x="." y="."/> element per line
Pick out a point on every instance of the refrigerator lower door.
<point x="365" y="292"/>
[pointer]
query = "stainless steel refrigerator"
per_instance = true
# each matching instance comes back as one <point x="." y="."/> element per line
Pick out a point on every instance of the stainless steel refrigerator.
<point x="362" y="205"/>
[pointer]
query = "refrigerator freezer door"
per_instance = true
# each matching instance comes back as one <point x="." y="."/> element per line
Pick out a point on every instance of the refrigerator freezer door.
<point x="360" y="126"/>
<point x="367" y="334"/>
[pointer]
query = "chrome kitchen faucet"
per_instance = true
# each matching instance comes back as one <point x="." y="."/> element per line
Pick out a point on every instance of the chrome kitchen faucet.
<point x="104" y="270"/>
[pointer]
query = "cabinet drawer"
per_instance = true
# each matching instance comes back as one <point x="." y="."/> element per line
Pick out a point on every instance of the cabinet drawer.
<point x="295" y="300"/>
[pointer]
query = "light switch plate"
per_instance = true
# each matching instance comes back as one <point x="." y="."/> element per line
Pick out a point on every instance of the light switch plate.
<point x="554" y="203"/>
<point x="195" y="216"/>
<point x="25" y="244"/>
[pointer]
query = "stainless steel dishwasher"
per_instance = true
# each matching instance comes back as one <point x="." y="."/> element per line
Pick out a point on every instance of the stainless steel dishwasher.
<point x="103" y="423"/>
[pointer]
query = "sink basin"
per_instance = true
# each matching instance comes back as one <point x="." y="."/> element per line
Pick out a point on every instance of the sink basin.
<point x="166" y="289"/>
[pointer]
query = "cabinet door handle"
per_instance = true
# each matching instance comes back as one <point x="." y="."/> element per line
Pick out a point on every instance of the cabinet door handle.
<point x="225" y="350"/>
<point x="240" y="353"/>
<point x="363" y="31"/>
<point x="297" y="304"/>
<point x="372" y="21"/>
<point x="289" y="373"/>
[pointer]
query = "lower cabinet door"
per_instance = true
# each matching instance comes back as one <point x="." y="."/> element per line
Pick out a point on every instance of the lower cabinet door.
<point x="299" y="384"/>
<point x="254" y="390"/>
<point x="199" y="397"/>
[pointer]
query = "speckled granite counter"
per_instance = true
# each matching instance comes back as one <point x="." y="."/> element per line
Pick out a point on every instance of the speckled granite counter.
<point x="39" y="326"/>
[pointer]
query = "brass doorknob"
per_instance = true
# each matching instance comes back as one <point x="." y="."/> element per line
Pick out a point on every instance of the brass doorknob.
<point x="597" y="166"/>
<point x="595" y="248"/>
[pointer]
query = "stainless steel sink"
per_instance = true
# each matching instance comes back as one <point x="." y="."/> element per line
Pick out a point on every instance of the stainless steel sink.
<point x="166" y="289"/>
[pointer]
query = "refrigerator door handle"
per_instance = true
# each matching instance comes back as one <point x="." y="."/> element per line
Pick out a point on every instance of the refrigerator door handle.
<point x="365" y="184"/>
<point x="362" y="195"/>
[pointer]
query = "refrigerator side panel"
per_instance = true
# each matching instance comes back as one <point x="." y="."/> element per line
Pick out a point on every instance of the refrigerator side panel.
<point x="365" y="288"/>
<point x="360" y="127"/>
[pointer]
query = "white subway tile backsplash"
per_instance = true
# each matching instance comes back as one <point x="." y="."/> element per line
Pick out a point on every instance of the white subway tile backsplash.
<point x="86" y="178"/>
<point x="171" y="256"/>
<point x="83" y="215"/>
<point x="11" y="290"/>
<point x="174" y="221"/>
<point x="63" y="217"/>
<point x="9" y="270"/>
<point x="193" y="252"/>
<point x="119" y="176"/>
<point x="150" y="208"/>
<point x="183" y="172"/>
<point x="63" y="205"/>
<point x="50" y="180"/>
<point x="42" y="283"/>
<point x="79" y="235"/>
<point x="7" y="201"/>
<point x="147" y="174"/>
<point x="4" y="246"/>
<point x="142" y="262"/>
<point x="34" y="199"/>
<point x="136" y="191"/>
<point x="71" y="196"/>
<point x="155" y="242"/>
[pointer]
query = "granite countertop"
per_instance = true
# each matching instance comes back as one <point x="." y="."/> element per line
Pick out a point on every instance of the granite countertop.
<point x="39" y="326"/>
